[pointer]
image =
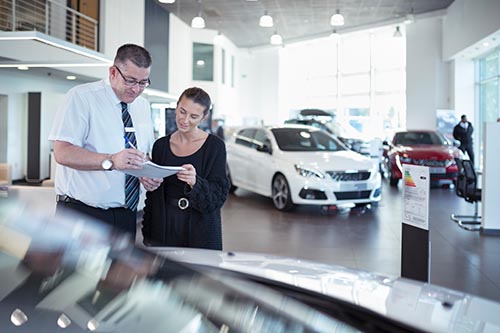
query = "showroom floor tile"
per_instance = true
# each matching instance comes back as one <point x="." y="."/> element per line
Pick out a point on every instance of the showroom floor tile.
<point x="460" y="259"/>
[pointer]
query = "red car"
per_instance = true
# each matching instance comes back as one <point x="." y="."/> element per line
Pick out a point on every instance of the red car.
<point x="421" y="147"/>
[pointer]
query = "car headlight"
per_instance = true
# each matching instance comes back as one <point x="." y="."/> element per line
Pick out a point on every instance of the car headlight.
<point x="404" y="159"/>
<point x="305" y="172"/>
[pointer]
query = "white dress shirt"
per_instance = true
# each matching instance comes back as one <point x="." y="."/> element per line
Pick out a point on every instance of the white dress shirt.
<point x="90" y="117"/>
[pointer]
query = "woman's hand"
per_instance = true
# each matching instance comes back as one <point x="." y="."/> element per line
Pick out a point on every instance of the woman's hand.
<point x="188" y="175"/>
<point x="150" y="184"/>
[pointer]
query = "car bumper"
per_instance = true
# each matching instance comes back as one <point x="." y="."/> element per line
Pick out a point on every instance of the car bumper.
<point x="315" y="191"/>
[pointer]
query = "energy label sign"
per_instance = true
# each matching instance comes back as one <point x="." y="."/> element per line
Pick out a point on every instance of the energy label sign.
<point x="416" y="181"/>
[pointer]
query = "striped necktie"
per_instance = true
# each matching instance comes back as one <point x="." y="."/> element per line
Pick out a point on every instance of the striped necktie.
<point x="131" y="182"/>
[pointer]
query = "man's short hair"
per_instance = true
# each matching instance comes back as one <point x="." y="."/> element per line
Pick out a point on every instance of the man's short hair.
<point x="463" y="116"/>
<point x="135" y="53"/>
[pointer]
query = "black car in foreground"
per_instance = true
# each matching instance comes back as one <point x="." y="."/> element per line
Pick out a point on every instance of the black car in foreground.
<point x="73" y="275"/>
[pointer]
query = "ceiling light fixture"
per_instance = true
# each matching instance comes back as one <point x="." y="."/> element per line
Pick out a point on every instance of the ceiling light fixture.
<point x="266" y="20"/>
<point x="397" y="33"/>
<point x="337" y="19"/>
<point x="218" y="38"/>
<point x="276" y="39"/>
<point x="198" y="22"/>
<point x="167" y="1"/>
<point x="335" y="35"/>
<point x="410" y="18"/>
<point x="23" y="68"/>
<point x="71" y="77"/>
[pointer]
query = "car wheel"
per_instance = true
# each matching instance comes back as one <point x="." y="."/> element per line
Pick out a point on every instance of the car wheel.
<point x="232" y="188"/>
<point x="280" y="190"/>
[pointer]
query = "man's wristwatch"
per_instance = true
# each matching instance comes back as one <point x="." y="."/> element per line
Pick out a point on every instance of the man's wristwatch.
<point x="107" y="164"/>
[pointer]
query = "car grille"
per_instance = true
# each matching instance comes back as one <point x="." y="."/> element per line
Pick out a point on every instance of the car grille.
<point x="430" y="163"/>
<point x="342" y="176"/>
<point x="352" y="195"/>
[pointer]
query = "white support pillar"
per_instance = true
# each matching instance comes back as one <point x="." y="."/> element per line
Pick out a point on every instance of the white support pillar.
<point x="491" y="179"/>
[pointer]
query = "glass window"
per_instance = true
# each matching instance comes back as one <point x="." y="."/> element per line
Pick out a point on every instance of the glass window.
<point x="245" y="137"/>
<point x="395" y="58"/>
<point x="223" y="67"/>
<point x="203" y="62"/>
<point x="232" y="71"/>
<point x="350" y="72"/>
<point x="488" y="66"/>
<point x="390" y="81"/>
<point x="299" y="139"/>
<point x="355" y="54"/>
<point x="261" y="139"/>
<point x="356" y="84"/>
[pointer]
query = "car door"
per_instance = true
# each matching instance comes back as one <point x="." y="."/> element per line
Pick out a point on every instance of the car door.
<point x="238" y="158"/>
<point x="263" y="164"/>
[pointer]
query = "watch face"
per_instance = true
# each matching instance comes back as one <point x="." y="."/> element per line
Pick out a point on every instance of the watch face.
<point x="107" y="164"/>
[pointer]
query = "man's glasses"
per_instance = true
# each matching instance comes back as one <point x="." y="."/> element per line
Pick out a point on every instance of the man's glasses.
<point x="132" y="82"/>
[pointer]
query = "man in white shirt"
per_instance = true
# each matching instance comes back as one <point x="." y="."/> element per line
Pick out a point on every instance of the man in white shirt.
<point x="91" y="141"/>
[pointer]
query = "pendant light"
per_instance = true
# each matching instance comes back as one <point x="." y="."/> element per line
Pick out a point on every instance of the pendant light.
<point x="397" y="33"/>
<point x="266" y="20"/>
<point x="198" y="22"/>
<point x="276" y="39"/>
<point x="337" y="19"/>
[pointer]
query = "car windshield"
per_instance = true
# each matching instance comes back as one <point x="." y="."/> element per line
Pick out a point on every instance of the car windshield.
<point x="303" y="139"/>
<point x="418" y="138"/>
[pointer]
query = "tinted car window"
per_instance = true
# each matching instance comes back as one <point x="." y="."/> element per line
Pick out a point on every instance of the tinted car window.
<point x="245" y="137"/>
<point x="261" y="139"/>
<point x="418" y="138"/>
<point x="301" y="139"/>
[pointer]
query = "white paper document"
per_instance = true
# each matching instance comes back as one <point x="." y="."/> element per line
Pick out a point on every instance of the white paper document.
<point x="152" y="170"/>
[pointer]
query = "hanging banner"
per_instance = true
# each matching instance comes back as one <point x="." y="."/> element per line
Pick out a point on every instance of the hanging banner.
<point x="416" y="184"/>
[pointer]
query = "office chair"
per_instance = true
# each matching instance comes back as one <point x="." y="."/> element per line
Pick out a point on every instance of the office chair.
<point x="466" y="187"/>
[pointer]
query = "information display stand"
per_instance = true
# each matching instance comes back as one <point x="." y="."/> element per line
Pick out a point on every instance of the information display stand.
<point x="415" y="242"/>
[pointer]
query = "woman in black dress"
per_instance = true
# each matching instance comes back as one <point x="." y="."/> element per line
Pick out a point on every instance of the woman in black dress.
<point x="185" y="211"/>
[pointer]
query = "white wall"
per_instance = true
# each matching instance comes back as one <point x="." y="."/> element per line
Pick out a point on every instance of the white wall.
<point x="468" y="21"/>
<point x="16" y="88"/>
<point x="122" y="21"/>
<point x="259" y="87"/>
<point x="182" y="37"/>
<point x="427" y="76"/>
<point x="463" y="88"/>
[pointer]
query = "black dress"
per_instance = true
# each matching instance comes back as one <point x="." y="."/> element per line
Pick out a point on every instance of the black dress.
<point x="199" y="225"/>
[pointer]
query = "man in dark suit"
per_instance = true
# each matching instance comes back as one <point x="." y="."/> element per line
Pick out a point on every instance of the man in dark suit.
<point x="463" y="132"/>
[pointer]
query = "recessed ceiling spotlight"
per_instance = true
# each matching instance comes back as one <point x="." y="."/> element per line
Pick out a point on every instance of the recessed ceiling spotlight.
<point x="71" y="77"/>
<point x="486" y="44"/>
<point x="166" y="1"/>
<point x="23" y="68"/>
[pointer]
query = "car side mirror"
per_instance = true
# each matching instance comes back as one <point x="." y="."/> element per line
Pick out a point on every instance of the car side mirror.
<point x="265" y="149"/>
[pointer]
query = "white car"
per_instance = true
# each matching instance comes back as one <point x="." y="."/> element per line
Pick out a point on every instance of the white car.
<point x="300" y="165"/>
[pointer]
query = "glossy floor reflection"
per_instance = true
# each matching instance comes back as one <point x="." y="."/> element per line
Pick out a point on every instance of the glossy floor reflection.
<point x="371" y="240"/>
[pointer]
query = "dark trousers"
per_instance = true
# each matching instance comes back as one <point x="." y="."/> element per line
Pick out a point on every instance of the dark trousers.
<point x="468" y="149"/>
<point x="121" y="219"/>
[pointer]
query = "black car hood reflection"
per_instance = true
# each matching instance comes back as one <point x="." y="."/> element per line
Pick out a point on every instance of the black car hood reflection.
<point x="66" y="274"/>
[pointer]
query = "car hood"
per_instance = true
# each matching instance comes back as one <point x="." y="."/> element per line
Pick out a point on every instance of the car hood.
<point x="339" y="160"/>
<point x="428" y="152"/>
<point x="430" y="308"/>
